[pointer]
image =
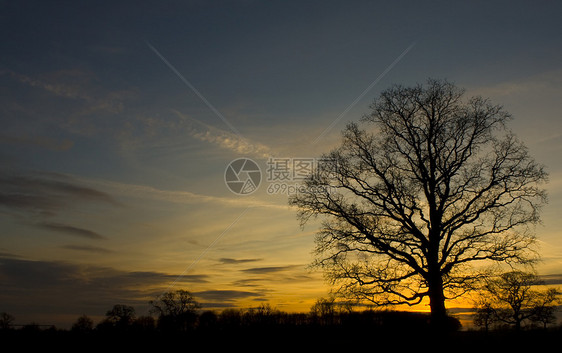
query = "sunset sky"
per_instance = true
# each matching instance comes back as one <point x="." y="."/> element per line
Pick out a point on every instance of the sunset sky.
<point x="119" y="119"/>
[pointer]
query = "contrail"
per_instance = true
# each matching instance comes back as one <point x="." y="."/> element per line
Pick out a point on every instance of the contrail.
<point x="387" y="70"/>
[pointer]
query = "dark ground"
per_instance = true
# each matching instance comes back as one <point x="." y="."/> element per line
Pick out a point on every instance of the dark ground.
<point x="283" y="339"/>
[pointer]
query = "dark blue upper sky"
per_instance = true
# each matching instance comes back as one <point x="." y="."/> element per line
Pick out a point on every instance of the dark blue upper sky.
<point x="280" y="57"/>
<point x="260" y="63"/>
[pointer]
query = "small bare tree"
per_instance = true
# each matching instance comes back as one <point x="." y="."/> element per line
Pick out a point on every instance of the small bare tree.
<point x="484" y="315"/>
<point x="6" y="321"/>
<point x="83" y="324"/>
<point x="428" y="185"/>
<point x="513" y="298"/>
<point x="546" y="307"/>
<point x="121" y="316"/>
<point x="176" y="310"/>
<point x="324" y="310"/>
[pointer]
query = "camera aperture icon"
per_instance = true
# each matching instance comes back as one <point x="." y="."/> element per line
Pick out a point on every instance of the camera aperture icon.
<point x="242" y="176"/>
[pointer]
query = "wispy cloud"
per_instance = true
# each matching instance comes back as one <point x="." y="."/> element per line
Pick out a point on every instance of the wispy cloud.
<point x="176" y="196"/>
<point x="77" y="84"/>
<point x="73" y="101"/>
<point x="223" y="138"/>
<point x="546" y="83"/>
<point x="64" y="83"/>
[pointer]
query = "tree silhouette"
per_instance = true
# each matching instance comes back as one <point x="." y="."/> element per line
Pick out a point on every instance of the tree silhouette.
<point x="120" y="316"/>
<point x="83" y="324"/>
<point x="176" y="310"/>
<point x="433" y="184"/>
<point x="324" y="310"/>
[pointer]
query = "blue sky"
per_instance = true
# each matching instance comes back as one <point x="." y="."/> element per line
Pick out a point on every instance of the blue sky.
<point x="112" y="165"/>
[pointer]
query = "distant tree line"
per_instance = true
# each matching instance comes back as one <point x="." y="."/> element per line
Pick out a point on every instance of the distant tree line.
<point x="509" y="299"/>
<point x="178" y="311"/>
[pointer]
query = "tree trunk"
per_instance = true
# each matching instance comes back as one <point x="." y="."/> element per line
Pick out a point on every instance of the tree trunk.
<point x="437" y="303"/>
<point x="435" y="281"/>
<point x="517" y="323"/>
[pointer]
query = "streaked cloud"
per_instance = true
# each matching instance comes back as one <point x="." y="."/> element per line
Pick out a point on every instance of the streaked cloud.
<point x="248" y="282"/>
<point x="230" y="261"/>
<point x="32" y="288"/>
<point x="70" y="230"/>
<point x="8" y="254"/>
<point x="270" y="269"/>
<point x="555" y="279"/>
<point x="226" y="295"/>
<point x="87" y="248"/>
<point x="46" y="193"/>
<point x="23" y="273"/>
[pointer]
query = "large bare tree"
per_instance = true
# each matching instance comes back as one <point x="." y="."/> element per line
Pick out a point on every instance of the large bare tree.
<point x="420" y="191"/>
